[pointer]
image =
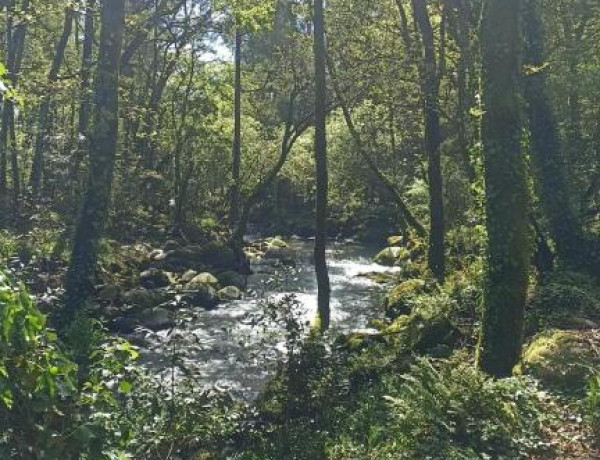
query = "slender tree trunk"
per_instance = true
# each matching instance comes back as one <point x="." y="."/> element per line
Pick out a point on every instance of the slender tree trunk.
<point x="549" y="164"/>
<point x="324" y="289"/>
<point x="44" y="117"/>
<point x="407" y="215"/>
<point x="431" y="89"/>
<point x="507" y="193"/>
<point x="462" y="34"/>
<point x="84" y="89"/>
<point x="237" y="133"/>
<point x="16" y="46"/>
<point x="103" y="145"/>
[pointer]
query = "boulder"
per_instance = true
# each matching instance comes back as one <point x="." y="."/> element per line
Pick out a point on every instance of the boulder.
<point x="188" y="276"/>
<point x="214" y="254"/>
<point x="201" y="280"/>
<point x="204" y="297"/>
<point x="396" y="241"/>
<point x="390" y="256"/>
<point x="277" y="242"/>
<point x="144" y="298"/>
<point x="154" y="278"/>
<point x="229" y="293"/>
<point x="232" y="278"/>
<point x="155" y="319"/>
<point x="562" y="360"/>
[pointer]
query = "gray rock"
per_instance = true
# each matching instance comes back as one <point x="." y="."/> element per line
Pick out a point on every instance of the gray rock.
<point x="204" y="297"/>
<point x="156" y="319"/>
<point x="144" y="298"/>
<point x="109" y="293"/>
<point x="201" y="280"/>
<point x="154" y="278"/>
<point x="188" y="276"/>
<point x="230" y="293"/>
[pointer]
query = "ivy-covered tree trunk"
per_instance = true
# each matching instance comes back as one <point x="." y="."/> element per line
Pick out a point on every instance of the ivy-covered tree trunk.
<point x="430" y="83"/>
<point x="550" y="167"/>
<point x="507" y="191"/>
<point x="103" y="145"/>
<point x="324" y="289"/>
<point x="41" y="145"/>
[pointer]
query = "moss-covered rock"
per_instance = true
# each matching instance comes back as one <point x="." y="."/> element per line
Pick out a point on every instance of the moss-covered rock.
<point x="277" y="242"/>
<point x="390" y="256"/>
<point x="201" y="280"/>
<point x="562" y="360"/>
<point x="400" y="298"/>
<point x="215" y="254"/>
<point x="395" y="241"/>
<point x="229" y="293"/>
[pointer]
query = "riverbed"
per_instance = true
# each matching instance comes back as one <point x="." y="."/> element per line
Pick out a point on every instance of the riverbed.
<point x="236" y="347"/>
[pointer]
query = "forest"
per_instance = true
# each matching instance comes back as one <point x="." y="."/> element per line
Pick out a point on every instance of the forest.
<point x="299" y="229"/>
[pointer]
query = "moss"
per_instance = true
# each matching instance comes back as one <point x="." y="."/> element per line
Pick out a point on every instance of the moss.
<point x="277" y="242"/>
<point x="400" y="298"/>
<point x="562" y="360"/>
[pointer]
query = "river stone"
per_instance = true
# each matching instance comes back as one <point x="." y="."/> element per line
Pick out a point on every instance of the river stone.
<point x="230" y="293"/>
<point x="204" y="297"/>
<point x="155" y="318"/>
<point x="188" y="276"/>
<point x="156" y="254"/>
<point x="395" y="241"/>
<point x="143" y="298"/>
<point x="201" y="280"/>
<point x="154" y="278"/>
<point x="277" y="242"/>
<point x="231" y="278"/>
<point x="214" y="254"/>
<point x="389" y="256"/>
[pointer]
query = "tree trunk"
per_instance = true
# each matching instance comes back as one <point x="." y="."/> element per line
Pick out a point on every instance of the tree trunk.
<point x="41" y="145"/>
<point x="84" y="89"/>
<point x="16" y="48"/>
<point x="549" y="165"/>
<point x="507" y="193"/>
<point x="103" y="145"/>
<point x="431" y="89"/>
<point x="324" y="289"/>
<point x="237" y="133"/>
<point x="407" y="215"/>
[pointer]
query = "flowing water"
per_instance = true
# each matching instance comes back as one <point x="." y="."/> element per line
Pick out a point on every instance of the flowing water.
<point x="230" y="349"/>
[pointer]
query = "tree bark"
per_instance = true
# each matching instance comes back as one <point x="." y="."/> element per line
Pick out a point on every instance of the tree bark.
<point x="16" y="46"/>
<point x="322" y="176"/>
<point x="550" y="166"/>
<point x="237" y="133"/>
<point x="103" y="145"/>
<point x="431" y="93"/>
<point x="41" y="145"/>
<point x="507" y="193"/>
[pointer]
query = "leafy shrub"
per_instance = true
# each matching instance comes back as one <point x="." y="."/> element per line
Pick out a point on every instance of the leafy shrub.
<point x="593" y="406"/>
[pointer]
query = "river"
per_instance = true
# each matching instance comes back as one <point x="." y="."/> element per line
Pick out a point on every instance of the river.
<point x="232" y="349"/>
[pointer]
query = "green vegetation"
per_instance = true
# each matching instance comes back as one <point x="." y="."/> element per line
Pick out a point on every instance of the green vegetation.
<point x="293" y="229"/>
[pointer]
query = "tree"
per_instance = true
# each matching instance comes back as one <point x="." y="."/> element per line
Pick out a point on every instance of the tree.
<point x="103" y="145"/>
<point x="237" y="129"/>
<point x="44" y="121"/>
<point x="430" y="83"/>
<point x="506" y="189"/>
<point x="324" y="289"/>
